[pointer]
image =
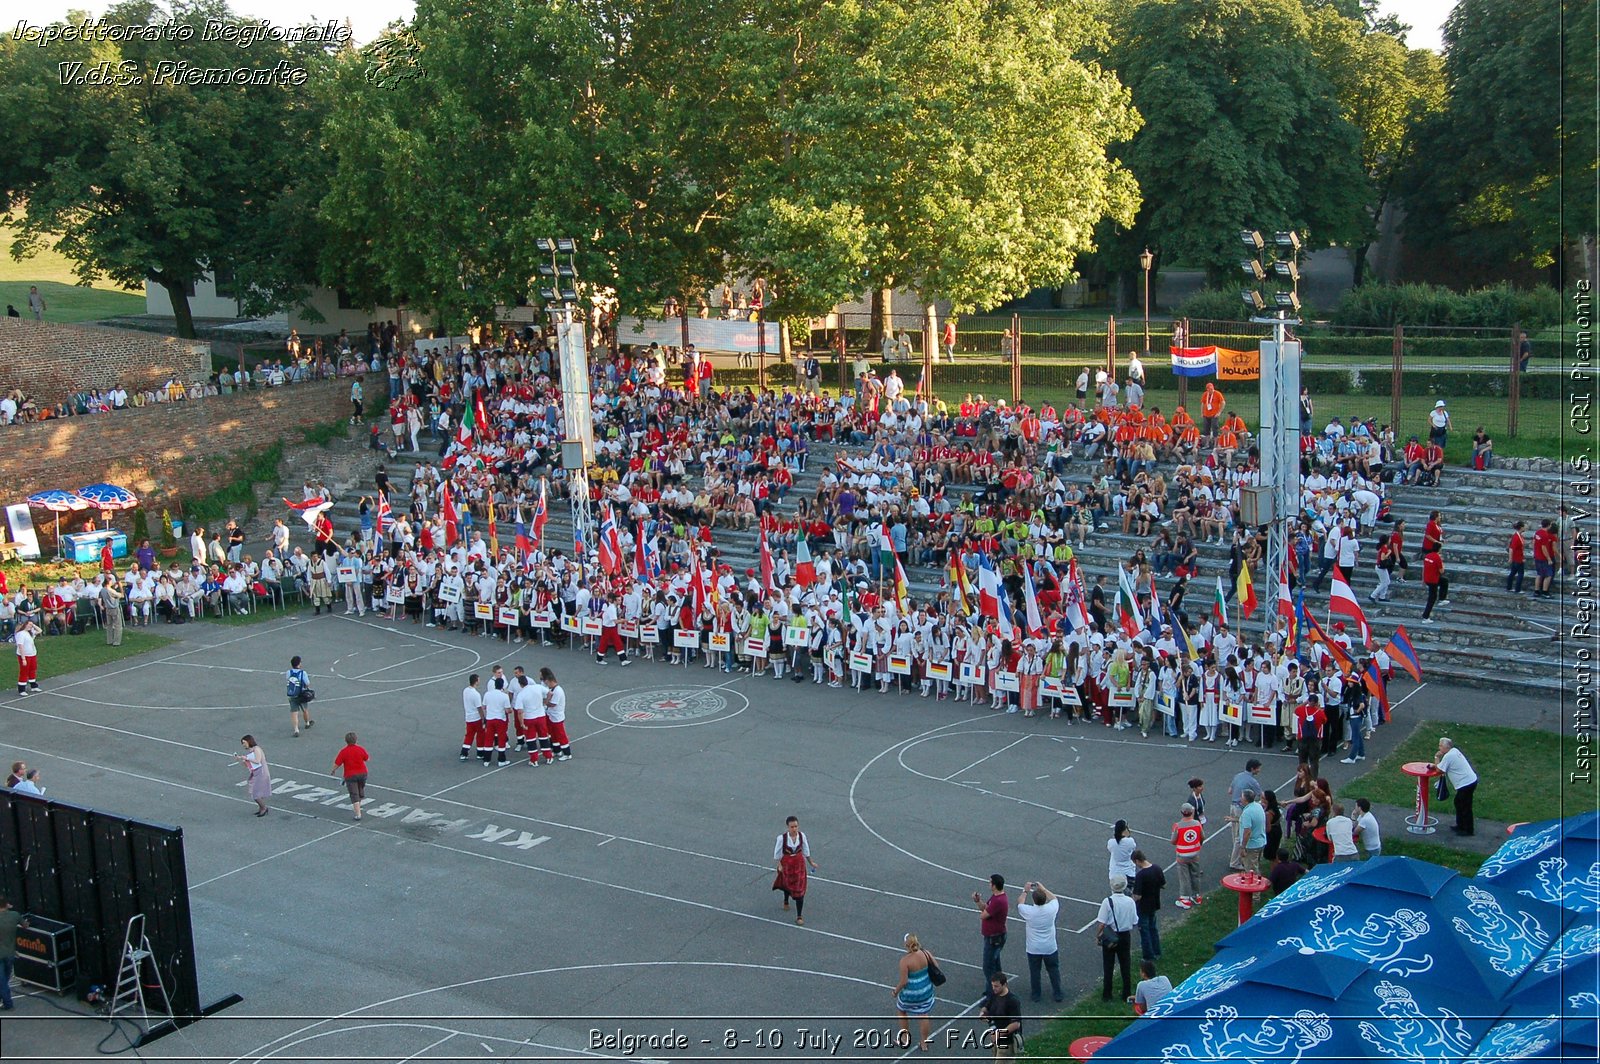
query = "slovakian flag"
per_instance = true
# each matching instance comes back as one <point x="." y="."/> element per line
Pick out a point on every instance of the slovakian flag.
<point x="1401" y="651"/>
<point x="610" y="543"/>
<point x="1245" y="588"/>
<point x="1077" y="607"/>
<point x="805" y="570"/>
<point x="1031" y="602"/>
<point x="1343" y="600"/>
<point x="1372" y="679"/>
<point x="766" y="562"/>
<point x="541" y="514"/>
<point x="524" y="544"/>
<point x="452" y="521"/>
<point x="1128" y="616"/>
<point x="1219" y="604"/>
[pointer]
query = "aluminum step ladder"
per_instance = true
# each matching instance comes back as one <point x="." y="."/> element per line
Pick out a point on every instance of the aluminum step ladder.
<point x="138" y="964"/>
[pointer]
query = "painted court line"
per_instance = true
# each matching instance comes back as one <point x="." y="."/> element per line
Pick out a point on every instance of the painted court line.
<point x="408" y="661"/>
<point x="272" y="857"/>
<point x="986" y="757"/>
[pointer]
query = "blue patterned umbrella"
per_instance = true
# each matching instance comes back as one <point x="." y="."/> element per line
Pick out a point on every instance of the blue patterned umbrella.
<point x="1554" y="1010"/>
<point x="58" y="501"/>
<point x="1557" y="861"/>
<point x="109" y="497"/>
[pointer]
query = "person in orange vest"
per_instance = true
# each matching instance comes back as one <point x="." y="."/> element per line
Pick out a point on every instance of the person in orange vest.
<point x="1211" y="404"/>
<point x="1227" y="443"/>
<point x="1235" y="424"/>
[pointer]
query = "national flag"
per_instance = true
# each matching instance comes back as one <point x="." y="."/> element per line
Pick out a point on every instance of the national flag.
<point x="541" y="514"/>
<point x="1246" y="590"/>
<point x="308" y="504"/>
<point x="902" y="592"/>
<point x="1285" y="600"/>
<point x="1301" y="622"/>
<point x="1342" y="600"/>
<point x="1154" y="622"/>
<point x="1128" y="615"/>
<point x="652" y="556"/>
<point x="1400" y="650"/>
<point x="1077" y="607"/>
<point x="959" y="586"/>
<point x="1184" y="640"/>
<point x="385" y="515"/>
<point x="885" y="542"/>
<point x="481" y="428"/>
<point x="524" y="544"/>
<point x="610" y="542"/>
<point x="494" y="533"/>
<point x="452" y="522"/>
<point x="467" y="431"/>
<point x="641" y="564"/>
<point x="1031" y="601"/>
<point x="1315" y="634"/>
<point x="1372" y="679"/>
<point x="697" y="583"/>
<point x="1219" y="604"/>
<point x="991" y="595"/>
<point x="805" y="570"/>
<point x="766" y="562"/>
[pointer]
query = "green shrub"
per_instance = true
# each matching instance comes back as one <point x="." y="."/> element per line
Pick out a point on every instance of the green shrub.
<point x="1497" y="307"/>
<point x="141" y="526"/>
<point x="169" y="538"/>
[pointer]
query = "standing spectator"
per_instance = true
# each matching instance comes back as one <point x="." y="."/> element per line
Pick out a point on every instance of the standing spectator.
<point x="1367" y="829"/>
<point x="29" y="784"/>
<point x="1432" y="533"/>
<point x="1118" y="915"/>
<point x="27" y="657"/>
<point x="1516" y="553"/>
<point x="1003" y="1012"/>
<point x="1546" y="553"/>
<point x="258" y="778"/>
<point x="1524" y="351"/>
<point x="1211" y="404"/>
<point x="1147" y="884"/>
<point x="19" y="770"/>
<point x="1437" y="583"/>
<point x="36" y="302"/>
<point x="1243" y="782"/>
<point x="11" y="922"/>
<point x="1439" y="425"/>
<point x="1253" y="832"/>
<point x="992" y="923"/>
<point x="1309" y="722"/>
<point x="1038" y="908"/>
<point x="1187" y="838"/>
<point x="472" y="707"/>
<point x="298" y="687"/>
<point x="913" y="993"/>
<point x="1121" y="847"/>
<point x="353" y="760"/>
<point x="1341" y="835"/>
<point x="555" y="711"/>
<point x="111" y="599"/>
<point x="1458" y="770"/>
<point x="950" y="339"/>
<point x="356" y="401"/>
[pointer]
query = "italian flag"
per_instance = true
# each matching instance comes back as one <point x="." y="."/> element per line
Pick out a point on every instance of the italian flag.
<point x="1219" y="605"/>
<point x="467" y="431"/>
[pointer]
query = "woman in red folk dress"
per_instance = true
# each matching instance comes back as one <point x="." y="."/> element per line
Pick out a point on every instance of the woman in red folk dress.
<point x="793" y="854"/>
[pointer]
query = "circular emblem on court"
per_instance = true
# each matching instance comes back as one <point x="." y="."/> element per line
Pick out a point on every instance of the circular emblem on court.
<point x="669" y="707"/>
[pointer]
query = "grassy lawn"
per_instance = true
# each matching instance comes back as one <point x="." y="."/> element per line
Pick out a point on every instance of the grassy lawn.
<point x="1521" y="771"/>
<point x="65" y="299"/>
<point x="61" y="654"/>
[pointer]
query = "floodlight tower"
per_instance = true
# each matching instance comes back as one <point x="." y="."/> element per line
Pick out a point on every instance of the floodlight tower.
<point x="559" y="295"/>
<point x="1275" y="501"/>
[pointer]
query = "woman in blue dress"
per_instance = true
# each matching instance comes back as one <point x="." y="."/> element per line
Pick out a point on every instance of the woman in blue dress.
<point x="913" y="994"/>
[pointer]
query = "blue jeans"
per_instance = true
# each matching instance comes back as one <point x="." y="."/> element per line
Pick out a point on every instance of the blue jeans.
<point x="992" y="945"/>
<point x="1052" y="964"/>
<point x="1358" y="738"/>
<point x="1149" y="936"/>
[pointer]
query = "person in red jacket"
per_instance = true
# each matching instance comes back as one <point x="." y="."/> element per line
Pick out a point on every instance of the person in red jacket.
<point x="1438" y="586"/>
<point x="1546" y="553"/>
<point x="1516" y="558"/>
<point x="1309" y="720"/>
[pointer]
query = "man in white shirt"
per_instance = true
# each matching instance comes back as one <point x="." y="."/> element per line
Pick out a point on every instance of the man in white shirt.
<point x="555" y="708"/>
<point x="1367" y="829"/>
<point x="496" y="713"/>
<point x="535" y="724"/>
<point x="1453" y="763"/>
<point x="27" y="658"/>
<point x="1342" y="835"/>
<point x="472" y="705"/>
<point x="1038" y="908"/>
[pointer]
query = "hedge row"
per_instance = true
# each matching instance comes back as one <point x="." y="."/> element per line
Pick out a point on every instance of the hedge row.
<point x="1380" y="306"/>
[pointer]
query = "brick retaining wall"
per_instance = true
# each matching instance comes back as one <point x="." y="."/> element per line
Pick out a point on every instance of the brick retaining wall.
<point x="50" y="361"/>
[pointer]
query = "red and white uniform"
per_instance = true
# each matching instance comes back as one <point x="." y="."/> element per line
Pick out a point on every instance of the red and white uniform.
<point x="496" y="712"/>
<point x="555" y="708"/>
<point x="535" y="725"/>
<point x="472" y="706"/>
<point x="610" y="639"/>
<point x="27" y="660"/>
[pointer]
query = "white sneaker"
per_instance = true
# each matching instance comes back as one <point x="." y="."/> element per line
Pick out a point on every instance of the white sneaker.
<point x="1347" y="761"/>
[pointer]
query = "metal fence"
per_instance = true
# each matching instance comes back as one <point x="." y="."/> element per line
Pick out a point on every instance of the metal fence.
<point x="1393" y="375"/>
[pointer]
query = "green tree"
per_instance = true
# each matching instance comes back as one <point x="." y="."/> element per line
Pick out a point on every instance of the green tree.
<point x="1242" y="128"/>
<point x="137" y="175"/>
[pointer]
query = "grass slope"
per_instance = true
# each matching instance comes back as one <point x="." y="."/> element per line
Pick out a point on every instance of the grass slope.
<point x="65" y="299"/>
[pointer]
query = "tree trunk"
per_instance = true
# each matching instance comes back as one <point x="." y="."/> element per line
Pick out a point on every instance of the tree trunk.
<point x="882" y="319"/>
<point x="1358" y="265"/>
<point x="177" y="293"/>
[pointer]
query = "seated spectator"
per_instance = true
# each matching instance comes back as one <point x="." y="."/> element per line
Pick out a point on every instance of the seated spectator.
<point x="1482" y="450"/>
<point x="1286" y="871"/>
<point x="1150" y="989"/>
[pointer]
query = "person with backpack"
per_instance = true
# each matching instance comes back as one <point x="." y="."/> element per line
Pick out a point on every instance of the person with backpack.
<point x="300" y="695"/>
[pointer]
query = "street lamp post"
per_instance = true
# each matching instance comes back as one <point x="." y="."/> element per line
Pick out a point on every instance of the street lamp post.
<point x="1146" y="260"/>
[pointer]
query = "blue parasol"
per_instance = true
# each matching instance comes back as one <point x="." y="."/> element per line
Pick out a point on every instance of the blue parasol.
<point x="1294" y="1005"/>
<point x="1411" y="921"/>
<point x="1557" y="861"/>
<point x="1554" y="1010"/>
<point x="58" y="502"/>
<point x="109" y="497"/>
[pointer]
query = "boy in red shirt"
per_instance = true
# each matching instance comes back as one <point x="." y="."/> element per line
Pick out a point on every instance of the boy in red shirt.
<point x="353" y="760"/>
<point x="1516" y="550"/>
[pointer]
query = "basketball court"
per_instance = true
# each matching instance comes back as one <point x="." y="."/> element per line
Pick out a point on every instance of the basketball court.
<point x="615" y="905"/>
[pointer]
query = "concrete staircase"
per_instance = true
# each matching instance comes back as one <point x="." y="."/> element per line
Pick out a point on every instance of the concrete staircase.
<point x="1486" y="637"/>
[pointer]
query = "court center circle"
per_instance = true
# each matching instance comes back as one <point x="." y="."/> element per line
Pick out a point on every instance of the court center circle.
<point x="678" y="706"/>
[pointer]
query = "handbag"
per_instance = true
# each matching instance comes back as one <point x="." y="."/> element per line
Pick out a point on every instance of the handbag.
<point x="307" y="695"/>
<point x="1441" y="788"/>
<point x="1108" y="936"/>
<point x="936" y="974"/>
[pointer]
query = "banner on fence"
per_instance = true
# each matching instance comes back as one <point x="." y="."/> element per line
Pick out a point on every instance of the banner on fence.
<point x="707" y="334"/>
<point x="1193" y="361"/>
<point x="1238" y="365"/>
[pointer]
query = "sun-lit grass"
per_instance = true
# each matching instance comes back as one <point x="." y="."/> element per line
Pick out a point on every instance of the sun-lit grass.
<point x="66" y="300"/>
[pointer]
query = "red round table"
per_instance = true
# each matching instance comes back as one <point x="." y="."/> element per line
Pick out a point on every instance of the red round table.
<point x="1247" y="885"/>
<point x="1419" y="822"/>
<point x="1321" y="835"/>
<point x="1087" y="1046"/>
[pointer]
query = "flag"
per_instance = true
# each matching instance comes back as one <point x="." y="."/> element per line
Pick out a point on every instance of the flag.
<point x="956" y="572"/>
<point x="697" y="581"/>
<point x="467" y="431"/>
<point x="1315" y="634"/>
<point x="610" y="543"/>
<point x="1185" y="641"/>
<point x="1154" y="622"/>
<point x="1343" y="600"/>
<point x="805" y="570"/>
<point x="652" y="557"/>
<point x="989" y="590"/>
<point x="524" y="544"/>
<point x="310" y="511"/>
<point x="452" y="523"/>
<point x="1372" y="679"/>
<point x="1299" y="624"/>
<point x="902" y="593"/>
<point x="1031" y="599"/>
<point x="885" y="543"/>
<point x="385" y="515"/>
<point x="1285" y="600"/>
<point x="641" y="564"/>
<point x="1246" y="589"/>
<point x="766" y="563"/>
<point x="1077" y="608"/>
<point x="480" y="419"/>
<point x="1400" y="650"/>
<point x="541" y="514"/>
<point x="1219" y="605"/>
<point x="1128" y="615"/>
<point x="494" y="533"/>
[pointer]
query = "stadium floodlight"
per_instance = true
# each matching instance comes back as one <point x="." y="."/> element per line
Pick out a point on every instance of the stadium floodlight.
<point x="1287" y="239"/>
<point x="566" y="273"/>
<point x="1287" y="269"/>
<point x="568" y="296"/>
<point x="566" y="245"/>
<point x="549" y="295"/>
<point x="545" y="244"/>
<point x="546" y="270"/>
<point x="1288" y="300"/>
<point x="1253" y="300"/>
<point x="1251" y="239"/>
<point x="1252" y="269"/>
